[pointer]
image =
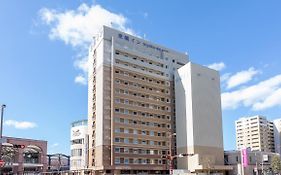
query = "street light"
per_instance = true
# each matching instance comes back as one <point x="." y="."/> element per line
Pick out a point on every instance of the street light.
<point x="1" y="127"/>
<point x="171" y="157"/>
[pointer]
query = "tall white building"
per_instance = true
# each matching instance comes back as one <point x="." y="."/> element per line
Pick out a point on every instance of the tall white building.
<point x="199" y="119"/>
<point x="277" y="135"/>
<point x="79" y="145"/>
<point x="255" y="132"/>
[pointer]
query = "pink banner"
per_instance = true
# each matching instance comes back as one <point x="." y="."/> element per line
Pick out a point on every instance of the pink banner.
<point x="244" y="157"/>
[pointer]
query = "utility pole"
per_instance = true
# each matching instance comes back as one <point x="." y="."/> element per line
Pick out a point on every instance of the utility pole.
<point x="171" y="155"/>
<point x="257" y="171"/>
<point x="1" y="128"/>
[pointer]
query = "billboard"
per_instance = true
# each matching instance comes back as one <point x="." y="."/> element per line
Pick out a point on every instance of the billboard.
<point x="244" y="157"/>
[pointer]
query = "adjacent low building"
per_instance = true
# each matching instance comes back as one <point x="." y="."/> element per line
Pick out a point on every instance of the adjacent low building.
<point x="24" y="155"/>
<point x="79" y="145"/>
<point x="256" y="161"/>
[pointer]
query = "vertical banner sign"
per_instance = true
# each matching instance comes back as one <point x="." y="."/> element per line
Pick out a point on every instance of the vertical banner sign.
<point x="244" y="157"/>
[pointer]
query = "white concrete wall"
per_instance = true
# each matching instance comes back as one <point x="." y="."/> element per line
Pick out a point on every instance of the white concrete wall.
<point x="99" y="94"/>
<point x="277" y="131"/>
<point x="79" y="132"/>
<point x="206" y="107"/>
<point x="203" y="105"/>
<point x="198" y="112"/>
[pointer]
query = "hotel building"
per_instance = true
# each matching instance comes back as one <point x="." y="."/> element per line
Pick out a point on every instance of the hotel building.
<point x="131" y="104"/>
<point x="255" y="132"/>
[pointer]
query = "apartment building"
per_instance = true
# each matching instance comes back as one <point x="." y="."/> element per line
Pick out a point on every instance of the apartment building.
<point x="277" y="135"/>
<point x="131" y="104"/>
<point x="255" y="132"/>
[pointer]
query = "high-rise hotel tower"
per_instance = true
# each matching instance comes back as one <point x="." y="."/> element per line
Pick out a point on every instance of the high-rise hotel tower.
<point x="131" y="103"/>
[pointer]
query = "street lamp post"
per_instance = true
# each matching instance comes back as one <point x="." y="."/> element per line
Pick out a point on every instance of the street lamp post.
<point x="257" y="171"/>
<point x="1" y="128"/>
<point x="171" y="157"/>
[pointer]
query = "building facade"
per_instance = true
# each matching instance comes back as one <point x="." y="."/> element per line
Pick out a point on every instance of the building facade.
<point x="259" y="162"/>
<point x="277" y="135"/>
<point x="131" y="103"/>
<point x="199" y="120"/>
<point x="79" y="145"/>
<point x="23" y="156"/>
<point x="255" y="132"/>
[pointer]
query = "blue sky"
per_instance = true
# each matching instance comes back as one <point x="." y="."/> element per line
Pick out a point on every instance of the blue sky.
<point x="43" y="48"/>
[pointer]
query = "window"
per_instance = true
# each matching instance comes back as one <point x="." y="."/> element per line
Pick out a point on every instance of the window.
<point x="117" y="140"/>
<point x="126" y="111"/>
<point x="126" y="121"/>
<point x="135" y="131"/>
<point x="135" y="141"/>
<point x="126" y="140"/>
<point x="117" y="150"/>
<point x="117" y="161"/>
<point x="76" y="152"/>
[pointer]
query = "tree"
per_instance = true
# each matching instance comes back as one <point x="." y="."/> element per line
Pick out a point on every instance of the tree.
<point x="276" y="164"/>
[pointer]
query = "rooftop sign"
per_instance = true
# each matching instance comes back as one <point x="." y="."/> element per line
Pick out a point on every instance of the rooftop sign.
<point x="138" y="42"/>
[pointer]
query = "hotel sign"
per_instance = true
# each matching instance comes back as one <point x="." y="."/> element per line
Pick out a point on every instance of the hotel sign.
<point x="138" y="42"/>
<point x="76" y="133"/>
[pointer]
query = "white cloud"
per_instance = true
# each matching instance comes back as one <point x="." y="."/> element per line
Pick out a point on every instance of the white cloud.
<point x="82" y="64"/>
<point x="77" y="28"/>
<point x="225" y="77"/>
<point x="217" y="66"/>
<point x="274" y="99"/>
<point x="80" y="79"/>
<point x="241" y="77"/>
<point x="20" y="124"/>
<point x="264" y="95"/>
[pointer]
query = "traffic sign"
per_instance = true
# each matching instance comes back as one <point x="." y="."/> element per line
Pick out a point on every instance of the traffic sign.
<point x="19" y="146"/>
